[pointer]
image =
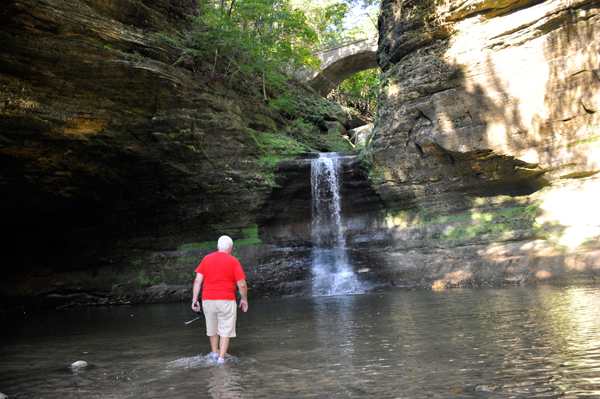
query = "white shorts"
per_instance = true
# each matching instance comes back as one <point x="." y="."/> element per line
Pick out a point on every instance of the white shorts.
<point x="220" y="317"/>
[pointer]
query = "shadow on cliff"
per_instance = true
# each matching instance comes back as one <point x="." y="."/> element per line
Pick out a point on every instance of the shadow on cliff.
<point x="461" y="158"/>
<point x="461" y="166"/>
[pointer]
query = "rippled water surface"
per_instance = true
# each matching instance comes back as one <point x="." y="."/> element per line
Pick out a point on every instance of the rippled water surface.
<point x="509" y="342"/>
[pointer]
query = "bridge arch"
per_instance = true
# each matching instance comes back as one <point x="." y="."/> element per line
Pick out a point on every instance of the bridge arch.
<point x="341" y="59"/>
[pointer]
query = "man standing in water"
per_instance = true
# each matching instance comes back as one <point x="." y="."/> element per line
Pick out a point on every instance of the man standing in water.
<point x="220" y="272"/>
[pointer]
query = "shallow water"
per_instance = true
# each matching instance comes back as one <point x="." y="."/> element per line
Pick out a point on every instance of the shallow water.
<point x="509" y="342"/>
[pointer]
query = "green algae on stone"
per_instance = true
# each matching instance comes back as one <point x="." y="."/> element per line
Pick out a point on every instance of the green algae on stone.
<point x="250" y="235"/>
<point x="478" y="224"/>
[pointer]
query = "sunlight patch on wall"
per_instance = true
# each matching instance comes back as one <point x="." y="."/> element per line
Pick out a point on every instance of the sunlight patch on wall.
<point x="576" y="211"/>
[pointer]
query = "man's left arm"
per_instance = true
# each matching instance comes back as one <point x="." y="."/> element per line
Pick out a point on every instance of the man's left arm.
<point x="244" y="293"/>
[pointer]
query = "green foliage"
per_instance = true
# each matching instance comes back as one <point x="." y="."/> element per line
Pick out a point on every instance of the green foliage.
<point x="274" y="148"/>
<point x="314" y="108"/>
<point x="136" y="262"/>
<point x="330" y="18"/>
<point x="486" y="223"/>
<point x="525" y="213"/>
<point x="325" y="17"/>
<point x="113" y="289"/>
<point x="244" y="47"/>
<point x="465" y="227"/>
<point x="591" y="140"/>
<point x="251" y="234"/>
<point x="337" y="143"/>
<point x="360" y="91"/>
<point x="334" y="15"/>
<point x="477" y="224"/>
<point x="251" y="38"/>
<point x="303" y="126"/>
<point x="284" y="104"/>
<point x="250" y="237"/>
<point x="144" y="280"/>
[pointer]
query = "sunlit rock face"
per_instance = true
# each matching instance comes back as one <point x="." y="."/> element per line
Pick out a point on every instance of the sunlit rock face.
<point x="120" y="165"/>
<point x="487" y="142"/>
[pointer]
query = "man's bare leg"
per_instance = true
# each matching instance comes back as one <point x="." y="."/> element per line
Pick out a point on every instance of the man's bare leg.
<point x="223" y="346"/>
<point x="214" y="344"/>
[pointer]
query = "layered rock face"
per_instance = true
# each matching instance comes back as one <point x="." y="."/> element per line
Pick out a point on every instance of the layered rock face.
<point x="487" y="144"/>
<point x="122" y="161"/>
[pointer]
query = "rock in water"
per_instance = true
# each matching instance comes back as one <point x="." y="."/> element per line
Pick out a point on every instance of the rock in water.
<point x="78" y="365"/>
<point x="3" y="396"/>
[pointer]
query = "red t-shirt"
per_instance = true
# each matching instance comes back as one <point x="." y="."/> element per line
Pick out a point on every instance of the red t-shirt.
<point x="221" y="271"/>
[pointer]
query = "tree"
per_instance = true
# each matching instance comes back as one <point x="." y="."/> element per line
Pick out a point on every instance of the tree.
<point x="325" y="17"/>
<point x="263" y="36"/>
<point x="281" y="36"/>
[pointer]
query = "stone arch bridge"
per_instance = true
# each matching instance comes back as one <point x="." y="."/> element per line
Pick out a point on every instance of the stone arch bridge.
<point x="341" y="59"/>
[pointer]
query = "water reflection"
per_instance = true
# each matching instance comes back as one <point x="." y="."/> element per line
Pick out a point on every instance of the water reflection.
<point x="513" y="342"/>
<point x="224" y="383"/>
<point x="335" y="328"/>
<point x="578" y="364"/>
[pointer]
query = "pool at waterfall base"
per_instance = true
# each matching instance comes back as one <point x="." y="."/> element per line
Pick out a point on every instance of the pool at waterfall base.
<point x="511" y="342"/>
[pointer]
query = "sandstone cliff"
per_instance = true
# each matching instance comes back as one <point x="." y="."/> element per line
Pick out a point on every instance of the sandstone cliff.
<point x="487" y="145"/>
<point x="122" y="160"/>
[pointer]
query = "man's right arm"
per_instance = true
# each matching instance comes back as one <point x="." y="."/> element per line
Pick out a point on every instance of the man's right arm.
<point x="196" y="292"/>
<point x="244" y="293"/>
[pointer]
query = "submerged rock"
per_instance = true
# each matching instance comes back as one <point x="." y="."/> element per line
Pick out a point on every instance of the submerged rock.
<point x="79" y="365"/>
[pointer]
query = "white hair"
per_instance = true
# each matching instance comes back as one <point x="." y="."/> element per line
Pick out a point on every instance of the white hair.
<point x="224" y="243"/>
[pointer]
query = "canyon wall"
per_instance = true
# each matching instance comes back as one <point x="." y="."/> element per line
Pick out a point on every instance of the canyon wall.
<point x="124" y="158"/>
<point x="486" y="147"/>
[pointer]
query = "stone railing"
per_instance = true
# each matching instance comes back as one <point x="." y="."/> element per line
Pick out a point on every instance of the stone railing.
<point x="341" y="42"/>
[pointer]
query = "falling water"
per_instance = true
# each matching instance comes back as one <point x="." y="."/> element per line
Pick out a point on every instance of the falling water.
<point x="332" y="274"/>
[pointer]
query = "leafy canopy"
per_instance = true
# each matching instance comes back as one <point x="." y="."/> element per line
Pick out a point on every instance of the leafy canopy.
<point x="248" y="36"/>
<point x="246" y="41"/>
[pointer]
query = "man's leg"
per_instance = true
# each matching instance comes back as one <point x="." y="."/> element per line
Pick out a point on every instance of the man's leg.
<point x="212" y="323"/>
<point x="214" y="344"/>
<point x="223" y="346"/>
<point x="226" y="320"/>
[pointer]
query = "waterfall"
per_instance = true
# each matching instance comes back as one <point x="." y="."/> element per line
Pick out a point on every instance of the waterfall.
<point x="331" y="273"/>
